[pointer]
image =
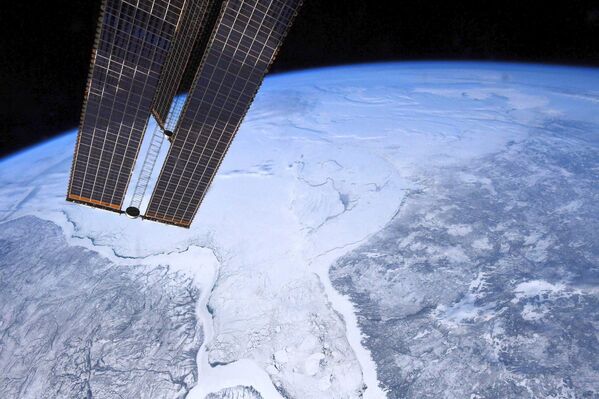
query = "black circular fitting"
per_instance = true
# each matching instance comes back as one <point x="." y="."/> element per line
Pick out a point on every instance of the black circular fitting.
<point x="132" y="212"/>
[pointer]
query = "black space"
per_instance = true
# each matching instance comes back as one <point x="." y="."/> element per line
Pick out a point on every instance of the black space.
<point x="45" y="46"/>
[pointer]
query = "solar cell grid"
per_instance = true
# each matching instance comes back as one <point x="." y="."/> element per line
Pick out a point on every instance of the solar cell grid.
<point x="244" y="43"/>
<point x="129" y="51"/>
<point x="193" y="21"/>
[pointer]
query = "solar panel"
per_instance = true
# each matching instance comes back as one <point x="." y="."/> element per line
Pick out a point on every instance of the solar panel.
<point x="200" y="45"/>
<point x="131" y="44"/>
<point x="245" y="41"/>
<point x="193" y="23"/>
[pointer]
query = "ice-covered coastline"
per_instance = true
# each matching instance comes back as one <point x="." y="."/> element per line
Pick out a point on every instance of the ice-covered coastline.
<point x="322" y="163"/>
<point x="198" y="261"/>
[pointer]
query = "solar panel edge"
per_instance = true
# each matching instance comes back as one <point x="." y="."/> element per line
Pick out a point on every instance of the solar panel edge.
<point x="158" y="119"/>
<point x="157" y="219"/>
<point x="94" y="203"/>
<point x="92" y="64"/>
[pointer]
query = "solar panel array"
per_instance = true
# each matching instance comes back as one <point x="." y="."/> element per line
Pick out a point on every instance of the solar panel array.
<point x="200" y="45"/>
<point x="245" y="41"/>
<point x="133" y="39"/>
<point x="193" y="22"/>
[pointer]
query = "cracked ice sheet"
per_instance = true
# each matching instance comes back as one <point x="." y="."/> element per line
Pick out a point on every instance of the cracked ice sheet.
<point x="266" y="256"/>
<point x="304" y="328"/>
<point x="85" y="323"/>
<point x="321" y="162"/>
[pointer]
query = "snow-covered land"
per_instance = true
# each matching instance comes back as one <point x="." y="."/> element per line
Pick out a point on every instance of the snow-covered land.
<point x="353" y="167"/>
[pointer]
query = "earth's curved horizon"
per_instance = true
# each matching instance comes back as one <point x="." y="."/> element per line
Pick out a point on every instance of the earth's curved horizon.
<point x="399" y="230"/>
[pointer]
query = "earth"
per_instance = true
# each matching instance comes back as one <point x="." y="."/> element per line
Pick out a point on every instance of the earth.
<point x="401" y="230"/>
